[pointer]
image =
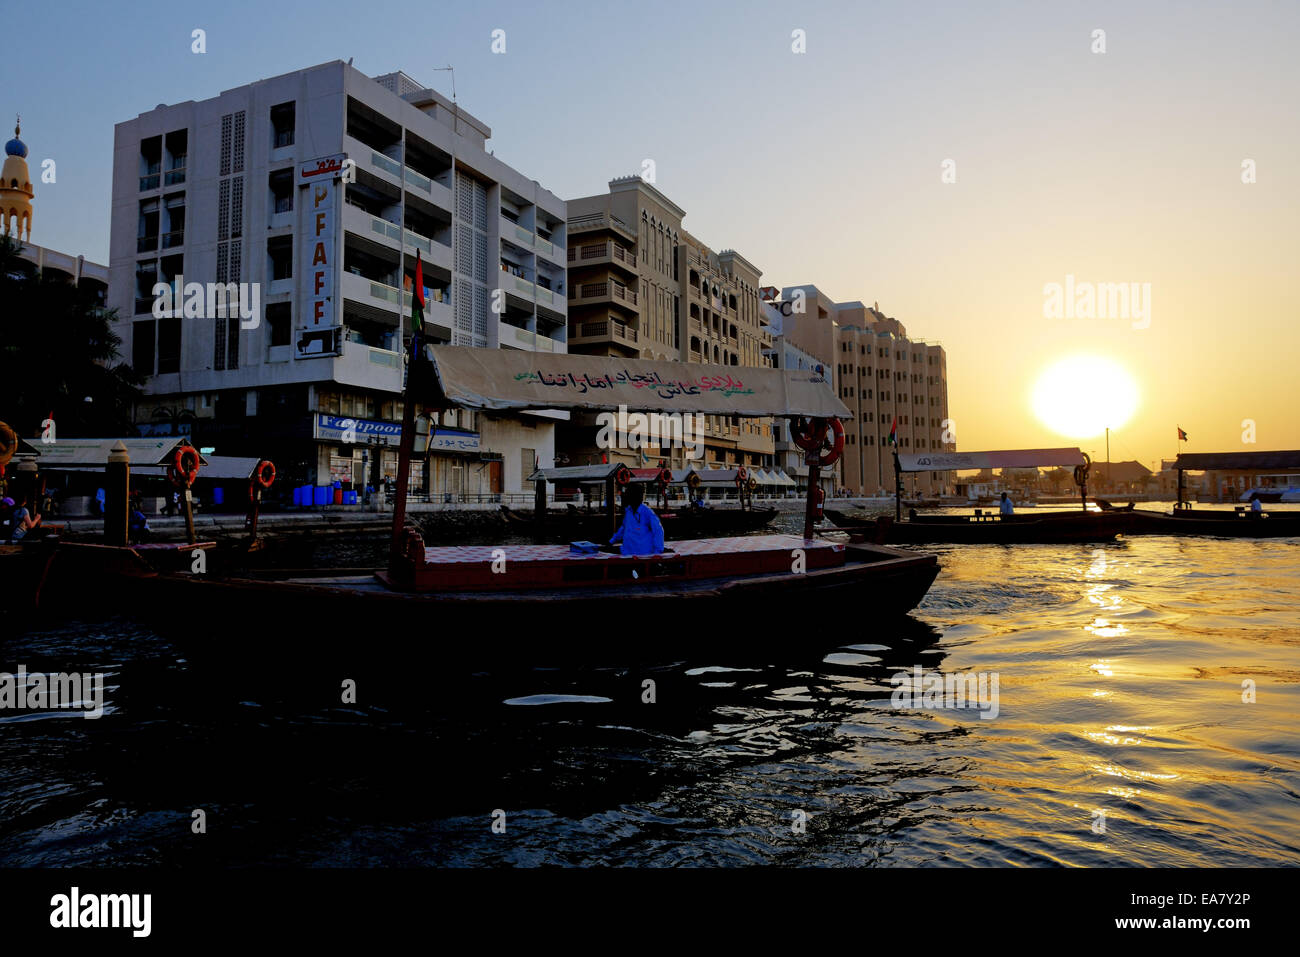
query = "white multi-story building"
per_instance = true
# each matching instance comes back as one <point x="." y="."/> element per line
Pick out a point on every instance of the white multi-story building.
<point x="315" y="190"/>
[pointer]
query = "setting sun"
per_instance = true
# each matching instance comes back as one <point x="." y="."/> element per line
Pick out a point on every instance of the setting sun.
<point x="1081" y="396"/>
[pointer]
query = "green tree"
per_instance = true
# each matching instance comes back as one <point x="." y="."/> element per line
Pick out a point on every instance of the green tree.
<point x="58" y="349"/>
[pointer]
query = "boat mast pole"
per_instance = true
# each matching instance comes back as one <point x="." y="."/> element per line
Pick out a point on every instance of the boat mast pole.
<point x="898" y="488"/>
<point x="404" y="449"/>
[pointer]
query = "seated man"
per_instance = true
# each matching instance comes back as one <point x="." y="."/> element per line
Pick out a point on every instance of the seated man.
<point x="1006" y="508"/>
<point x="641" y="532"/>
<point x="21" y="521"/>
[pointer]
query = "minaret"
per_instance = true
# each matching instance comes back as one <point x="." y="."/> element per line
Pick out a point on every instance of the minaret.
<point x="16" y="188"/>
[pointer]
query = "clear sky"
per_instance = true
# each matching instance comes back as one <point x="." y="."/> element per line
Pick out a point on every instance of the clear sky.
<point x="825" y="167"/>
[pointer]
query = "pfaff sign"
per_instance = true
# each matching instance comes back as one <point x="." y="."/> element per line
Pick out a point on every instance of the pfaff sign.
<point x="318" y="179"/>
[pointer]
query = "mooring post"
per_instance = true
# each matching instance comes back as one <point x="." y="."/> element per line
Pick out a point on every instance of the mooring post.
<point x="117" y="496"/>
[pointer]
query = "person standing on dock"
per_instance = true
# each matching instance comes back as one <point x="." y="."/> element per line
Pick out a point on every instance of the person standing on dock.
<point x="1006" y="508"/>
<point x="641" y="532"/>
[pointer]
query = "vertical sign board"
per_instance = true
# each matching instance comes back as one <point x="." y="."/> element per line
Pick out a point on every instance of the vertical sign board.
<point x="317" y="251"/>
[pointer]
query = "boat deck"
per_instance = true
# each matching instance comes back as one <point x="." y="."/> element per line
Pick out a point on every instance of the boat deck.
<point x="744" y="544"/>
<point x="487" y="567"/>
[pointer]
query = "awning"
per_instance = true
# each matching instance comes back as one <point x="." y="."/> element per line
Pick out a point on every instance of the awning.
<point x="573" y="474"/>
<point x="500" y="379"/>
<point x="783" y="479"/>
<point x="1243" y="461"/>
<point x="1004" y="459"/>
<point x="72" y="453"/>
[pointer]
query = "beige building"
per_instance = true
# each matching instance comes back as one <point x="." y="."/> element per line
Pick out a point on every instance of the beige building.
<point x="881" y="374"/>
<point x="641" y="286"/>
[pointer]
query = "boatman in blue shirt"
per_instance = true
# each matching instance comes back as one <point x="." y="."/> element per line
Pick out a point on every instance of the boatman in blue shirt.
<point x="641" y="532"/>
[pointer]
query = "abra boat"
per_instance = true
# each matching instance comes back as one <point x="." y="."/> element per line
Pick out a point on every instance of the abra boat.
<point x="990" y="528"/>
<point x="562" y="590"/>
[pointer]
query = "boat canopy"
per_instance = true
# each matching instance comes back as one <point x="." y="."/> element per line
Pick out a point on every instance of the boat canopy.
<point x="499" y="379"/>
<point x="1003" y="459"/>
<point x="573" y="474"/>
<point x="1245" y="461"/>
<point x="93" y="453"/>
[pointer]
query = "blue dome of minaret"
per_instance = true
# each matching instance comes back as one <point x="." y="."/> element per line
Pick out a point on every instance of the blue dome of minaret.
<point x="16" y="147"/>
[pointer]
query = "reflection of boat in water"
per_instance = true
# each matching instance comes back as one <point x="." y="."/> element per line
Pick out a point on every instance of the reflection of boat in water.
<point x="1106" y="506"/>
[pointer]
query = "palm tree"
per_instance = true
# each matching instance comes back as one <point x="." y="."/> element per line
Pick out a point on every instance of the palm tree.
<point x="59" y="355"/>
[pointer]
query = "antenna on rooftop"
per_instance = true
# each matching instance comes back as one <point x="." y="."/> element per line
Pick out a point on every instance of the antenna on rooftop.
<point x="455" y="108"/>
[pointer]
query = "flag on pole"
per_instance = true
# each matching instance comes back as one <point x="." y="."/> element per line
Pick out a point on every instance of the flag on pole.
<point x="893" y="432"/>
<point x="1182" y="436"/>
<point x="417" y="306"/>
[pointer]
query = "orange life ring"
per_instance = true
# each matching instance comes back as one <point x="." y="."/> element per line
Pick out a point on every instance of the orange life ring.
<point x="188" y="475"/>
<point x="806" y="434"/>
<point x="741" y="475"/>
<point x="8" y="443"/>
<point x="829" y="456"/>
<point x="622" y="476"/>
<point x="665" y="476"/>
<point x="260" y="473"/>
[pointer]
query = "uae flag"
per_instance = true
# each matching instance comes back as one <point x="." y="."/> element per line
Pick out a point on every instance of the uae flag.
<point x="1182" y="436"/>
<point x="417" y="306"/>
<point x="893" y="432"/>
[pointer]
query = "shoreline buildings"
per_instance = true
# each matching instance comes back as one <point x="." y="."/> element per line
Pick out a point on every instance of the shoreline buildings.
<point x="312" y="193"/>
<point x="641" y="286"/>
<point x="878" y="371"/>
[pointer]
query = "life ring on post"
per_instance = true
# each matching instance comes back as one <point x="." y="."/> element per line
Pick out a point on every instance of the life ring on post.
<point x="186" y="473"/>
<point x="665" y="477"/>
<point x="264" y="473"/>
<point x="8" y="443"/>
<point x="834" y="437"/>
<point x="752" y="484"/>
<point x="741" y="476"/>
<point x="622" y="476"/>
<point x="806" y="433"/>
<point x="693" y="480"/>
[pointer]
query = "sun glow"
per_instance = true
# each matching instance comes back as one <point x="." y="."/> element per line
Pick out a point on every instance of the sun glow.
<point x="1081" y="396"/>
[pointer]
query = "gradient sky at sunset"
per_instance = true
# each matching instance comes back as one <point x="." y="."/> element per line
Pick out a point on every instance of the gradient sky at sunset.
<point x="825" y="167"/>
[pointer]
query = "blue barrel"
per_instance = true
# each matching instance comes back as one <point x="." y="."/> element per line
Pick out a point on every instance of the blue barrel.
<point x="322" y="495"/>
<point x="297" y="495"/>
<point x="349" y="498"/>
<point x="218" y="496"/>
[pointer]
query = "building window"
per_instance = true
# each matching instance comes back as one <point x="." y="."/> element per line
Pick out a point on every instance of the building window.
<point x="169" y="346"/>
<point x="283" y="117"/>
<point x="142" y="341"/>
<point x="277" y="320"/>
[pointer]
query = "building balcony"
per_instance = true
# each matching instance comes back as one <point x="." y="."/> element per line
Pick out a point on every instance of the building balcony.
<point x="173" y="239"/>
<point x="605" y="331"/>
<point x="597" y="293"/>
<point x="587" y="224"/>
<point x="174" y="177"/>
<point x="150" y="181"/>
<point x="420" y="185"/>
<point x="368" y="367"/>
<point x="361" y="223"/>
<point x="517" y="234"/>
<point x="526" y="339"/>
<point x="368" y="292"/>
<point x="602" y="254"/>
<point x="146" y="244"/>
<point x="431" y="251"/>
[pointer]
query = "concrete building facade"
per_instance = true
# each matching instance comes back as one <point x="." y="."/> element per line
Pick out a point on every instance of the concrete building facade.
<point x="314" y="192"/>
<point x="641" y="286"/>
<point x="881" y="374"/>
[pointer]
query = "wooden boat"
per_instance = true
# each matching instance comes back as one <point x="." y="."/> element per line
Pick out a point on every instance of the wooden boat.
<point x="1048" y="528"/>
<point x="1106" y="506"/>
<point x="575" y="524"/>
<point x="734" y="585"/>
<point x="1237" y="524"/>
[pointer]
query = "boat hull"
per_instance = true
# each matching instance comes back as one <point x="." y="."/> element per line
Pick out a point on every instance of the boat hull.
<point x="681" y="524"/>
